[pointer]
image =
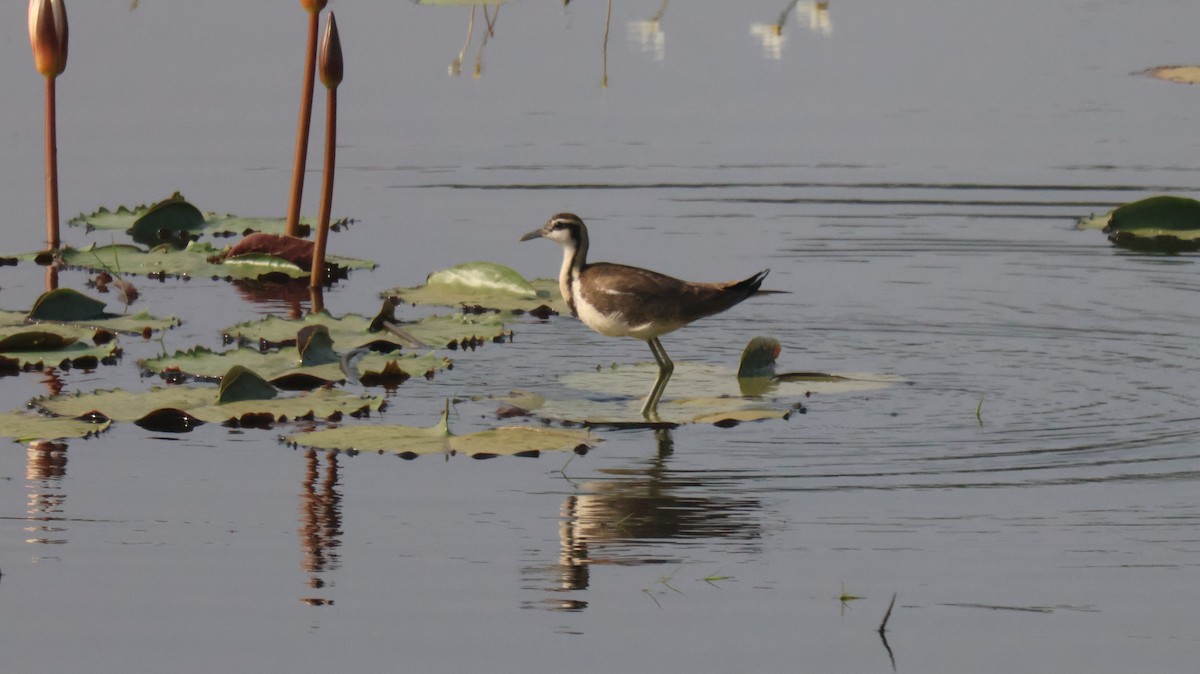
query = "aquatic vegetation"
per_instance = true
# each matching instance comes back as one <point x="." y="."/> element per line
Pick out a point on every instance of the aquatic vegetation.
<point x="486" y="286"/>
<point x="410" y="442"/>
<point x="202" y="403"/>
<point x="1160" y="223"/>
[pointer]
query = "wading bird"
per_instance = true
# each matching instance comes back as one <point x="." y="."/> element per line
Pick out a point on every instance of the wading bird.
<point x="622" y="301"/>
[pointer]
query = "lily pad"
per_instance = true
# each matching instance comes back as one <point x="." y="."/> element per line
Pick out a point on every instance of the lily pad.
<point x="201" y="403"/>
<point x="65" y="305"/>
<point x="714" y="395"/>
<point x="207" y="364"/>
<point x="27" y="426"/>
<point x="173" y="221"/>
<point x="198" y="259"/>
<point x="626" y="413"/>
<point x="1161" y="223"/>
<point x="410" y="442"/>
<point x="353" y="331"/>
<point x="702" y="380"/>
<point x="241" y="383"/>
<point x="214" y="224"/>
<point x="484" y="285"/>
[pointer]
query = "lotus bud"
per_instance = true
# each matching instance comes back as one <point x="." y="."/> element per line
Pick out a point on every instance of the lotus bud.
<point x="329" y="63"/>
<point x="313" y="6"/>
<point x="48" y="36"/>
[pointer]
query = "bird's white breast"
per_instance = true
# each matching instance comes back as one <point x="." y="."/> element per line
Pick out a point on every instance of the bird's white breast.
<point x="612" y="324"/>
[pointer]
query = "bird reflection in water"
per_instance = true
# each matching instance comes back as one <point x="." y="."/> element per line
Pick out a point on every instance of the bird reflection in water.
<point x="320" y="522"/>
<point x="649" y="34"/>
<point x="45" y="468"/>
<point x="491" y="12"/>
<point x="635" y="519"/>
<point x="771" y="34"/>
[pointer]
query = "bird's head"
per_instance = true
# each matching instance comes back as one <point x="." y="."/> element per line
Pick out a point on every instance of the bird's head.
<point x="565" y="229"/>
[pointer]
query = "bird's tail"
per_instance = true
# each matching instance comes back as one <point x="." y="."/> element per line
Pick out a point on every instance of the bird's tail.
<point x="752" y="284"/>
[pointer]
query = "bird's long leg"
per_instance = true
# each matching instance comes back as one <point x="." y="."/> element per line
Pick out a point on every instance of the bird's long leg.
<point x="665" y="368"/>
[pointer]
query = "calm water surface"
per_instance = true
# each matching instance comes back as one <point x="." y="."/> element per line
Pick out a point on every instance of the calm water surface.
<point x="911" y="173"/>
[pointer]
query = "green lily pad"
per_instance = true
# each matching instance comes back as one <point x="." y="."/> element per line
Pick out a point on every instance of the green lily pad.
<point x="607" y="412"/>
<point x="173" y="221"/>
<point x="353" y="331"/>
<point x="485" y="285"/>
<point x="1179" y="216"/>
<point x="215" y="224"/>
<point x="1162" y="223"/>
<point x="35" y="348"/>
<point x="205" y="363"/>
<point x="201" y="403"/>
<point x="26" y="427"/>
<point x="68" y="309"/>
<point x="241" y="383"/>
<point x="410" y="441"/>
<point x="315" y="346"/>
<point x="714" y="395"/>
<point x="702" y="380"/>
<point x="66" y="305"/>
<point x="198" y="259"/>
<point x="34" y="340"/>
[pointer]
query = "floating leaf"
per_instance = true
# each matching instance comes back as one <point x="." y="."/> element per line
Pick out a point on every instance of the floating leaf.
<point x="241" y="383"/>
<point x="714" y="395"/>
<point x="205" y="363"/>
<point x="315" y="346"/>
<point x="485" y="285"/>
<point x="25" y="427"/>
<point x="293" y="249"/>
<point x="352" y="331"/>
<point x="168" y="420"/>
<point x="198" y="259"/>
<point x="200" y="402"/>
<point x="1162" y="223"/>
<point x="1157" y="215"/>
<point x="410" y="442"/>
<point x="67" y="306"/>
<point x="215" y="224"/>
<point x="173" y="221"/>
<point x="34" y="340"/>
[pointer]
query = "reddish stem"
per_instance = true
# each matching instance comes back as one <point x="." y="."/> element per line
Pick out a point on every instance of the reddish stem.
<point x="318" y="264"/>
<point x="310" y="69"/>
<point x="52" y="239"/>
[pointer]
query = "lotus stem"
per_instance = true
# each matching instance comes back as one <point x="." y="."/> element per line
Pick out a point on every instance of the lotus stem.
<point x="331" y="77"/>
<point x="52" y="235"/>
<point x="292" y="227"/>
<point x="48" y="36"/>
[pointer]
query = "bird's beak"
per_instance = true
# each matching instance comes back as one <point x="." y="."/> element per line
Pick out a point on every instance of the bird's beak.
<point x="535" y="234"/>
